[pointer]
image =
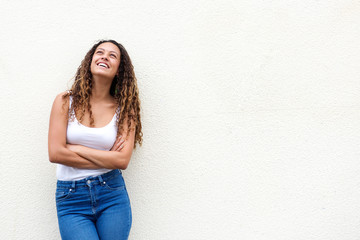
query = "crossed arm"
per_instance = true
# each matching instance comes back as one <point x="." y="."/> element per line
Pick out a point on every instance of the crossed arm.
<point x="80" y="156"/>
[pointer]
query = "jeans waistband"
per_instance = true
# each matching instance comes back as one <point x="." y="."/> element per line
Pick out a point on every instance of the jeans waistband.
<point x="101" y="179"/>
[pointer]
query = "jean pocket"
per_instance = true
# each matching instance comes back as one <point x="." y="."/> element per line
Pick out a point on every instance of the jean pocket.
<point x="62" y="194"/>
<point x="116" y="183"/>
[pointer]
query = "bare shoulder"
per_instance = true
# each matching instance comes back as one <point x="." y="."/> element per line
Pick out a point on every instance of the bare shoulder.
<point x="60" y="103"/>
<point x="61" y="96"/>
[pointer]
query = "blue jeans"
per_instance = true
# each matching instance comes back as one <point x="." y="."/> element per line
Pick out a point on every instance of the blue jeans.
<point x="94" y="208"/>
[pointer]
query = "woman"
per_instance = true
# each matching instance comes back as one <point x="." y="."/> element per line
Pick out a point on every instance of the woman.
<point x="92" y="132"/>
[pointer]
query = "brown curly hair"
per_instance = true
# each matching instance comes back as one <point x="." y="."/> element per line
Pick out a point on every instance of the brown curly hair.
<point x="123" y="88"/>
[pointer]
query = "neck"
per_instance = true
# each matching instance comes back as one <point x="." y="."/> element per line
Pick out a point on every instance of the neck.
<point x="101" y="88"/>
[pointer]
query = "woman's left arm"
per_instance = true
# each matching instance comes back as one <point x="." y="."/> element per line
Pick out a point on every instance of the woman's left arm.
<point x="108" y="159"/>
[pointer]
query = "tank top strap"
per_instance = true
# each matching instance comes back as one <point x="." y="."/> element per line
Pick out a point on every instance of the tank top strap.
<point x="70" y="101"/>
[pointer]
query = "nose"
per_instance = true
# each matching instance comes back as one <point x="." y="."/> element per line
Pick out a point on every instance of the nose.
<point x="104" y="58"/>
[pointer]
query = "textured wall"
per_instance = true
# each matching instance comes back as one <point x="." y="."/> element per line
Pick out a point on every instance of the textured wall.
<point x="250" y="114"/>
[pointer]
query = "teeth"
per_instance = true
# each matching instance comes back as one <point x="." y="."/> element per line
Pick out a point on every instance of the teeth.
<point x="102" y="65"/>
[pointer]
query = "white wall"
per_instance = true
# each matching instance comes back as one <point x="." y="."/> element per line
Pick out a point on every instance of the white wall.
<point x="250" y="114"/>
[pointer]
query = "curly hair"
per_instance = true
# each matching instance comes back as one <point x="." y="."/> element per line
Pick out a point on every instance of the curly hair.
<point x="123" y="88"/>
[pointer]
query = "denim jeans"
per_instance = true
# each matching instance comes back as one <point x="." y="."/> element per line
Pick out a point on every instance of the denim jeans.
<point x="94" y="208"/>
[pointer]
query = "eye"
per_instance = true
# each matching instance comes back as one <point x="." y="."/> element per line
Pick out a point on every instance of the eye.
<point x="113" y="55"/>
<point x="99" y="52"/>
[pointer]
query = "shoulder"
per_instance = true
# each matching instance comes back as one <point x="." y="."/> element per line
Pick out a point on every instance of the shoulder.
<point x="62" y="96"/>
<point x="61" y="101"/>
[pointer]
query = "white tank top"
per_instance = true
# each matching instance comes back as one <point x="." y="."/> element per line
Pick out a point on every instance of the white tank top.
<point x="102" y="138"/>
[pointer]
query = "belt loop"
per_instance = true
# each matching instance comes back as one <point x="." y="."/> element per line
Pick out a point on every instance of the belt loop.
<point x="72" y="189"/>
<point x="102" y="182"/>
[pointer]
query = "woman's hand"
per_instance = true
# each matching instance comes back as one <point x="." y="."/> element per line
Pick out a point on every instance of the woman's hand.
<point x="117" y="158"/>
<point x="118" y="145"/>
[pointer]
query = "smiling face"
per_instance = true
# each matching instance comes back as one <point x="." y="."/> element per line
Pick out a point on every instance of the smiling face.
<point x="106" y="60"/>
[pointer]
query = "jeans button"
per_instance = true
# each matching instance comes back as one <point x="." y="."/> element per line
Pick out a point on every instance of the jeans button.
<point x="88" y="182"/>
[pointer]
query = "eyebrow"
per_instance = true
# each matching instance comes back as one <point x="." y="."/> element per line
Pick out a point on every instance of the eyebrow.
<point x="110" y="51"/>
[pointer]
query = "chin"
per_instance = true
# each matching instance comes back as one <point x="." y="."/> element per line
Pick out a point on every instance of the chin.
<point x="102" y="74"/>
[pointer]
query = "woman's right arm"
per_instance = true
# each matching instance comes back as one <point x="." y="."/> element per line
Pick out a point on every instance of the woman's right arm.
<point x="58" y="153"/>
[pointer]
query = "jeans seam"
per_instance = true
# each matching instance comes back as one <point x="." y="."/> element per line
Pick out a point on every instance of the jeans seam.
<point x="130" y="218"/>
<point x="114" y="189"/>
<point x="64" y="198"/>
<point x="112" y="176"/>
